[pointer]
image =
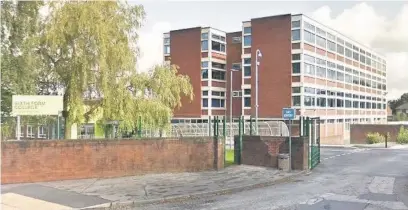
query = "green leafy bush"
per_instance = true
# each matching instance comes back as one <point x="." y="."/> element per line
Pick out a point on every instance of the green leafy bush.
<point x="402" y="137"/>
<point x="374" y="138"/>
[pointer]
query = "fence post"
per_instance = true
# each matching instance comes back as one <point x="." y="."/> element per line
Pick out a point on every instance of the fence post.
<point x="224" y="126"/>
<point x="300" y="126"/>
<point x="250" y="125"/>
<point x="239" y="140"/>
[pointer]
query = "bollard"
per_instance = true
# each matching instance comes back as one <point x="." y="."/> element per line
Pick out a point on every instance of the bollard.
<point x="386" y="139"/>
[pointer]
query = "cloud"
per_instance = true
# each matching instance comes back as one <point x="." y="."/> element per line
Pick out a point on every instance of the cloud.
<point x="151" y="46"/>
<point x="387" y="36"/>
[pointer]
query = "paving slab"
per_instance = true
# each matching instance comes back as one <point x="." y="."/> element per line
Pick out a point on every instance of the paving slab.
<point x="150" y="188"/>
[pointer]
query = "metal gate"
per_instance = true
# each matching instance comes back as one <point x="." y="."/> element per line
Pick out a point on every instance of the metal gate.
<point x="314" y="139"/>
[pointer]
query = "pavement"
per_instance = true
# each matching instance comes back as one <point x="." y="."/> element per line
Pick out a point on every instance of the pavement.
<point x="346" y="179"/>
<point x="137" y="190"/>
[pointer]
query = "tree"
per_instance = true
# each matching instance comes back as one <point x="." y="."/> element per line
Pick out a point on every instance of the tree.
<point x="396" y="103"/>
<point x="89" y="49"/>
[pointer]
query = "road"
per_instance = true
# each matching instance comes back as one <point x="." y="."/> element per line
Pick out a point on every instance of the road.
<point x="346" y="179"/>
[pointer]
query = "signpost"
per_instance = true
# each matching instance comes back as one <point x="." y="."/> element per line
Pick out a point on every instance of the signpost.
<point x="289" y="114"/>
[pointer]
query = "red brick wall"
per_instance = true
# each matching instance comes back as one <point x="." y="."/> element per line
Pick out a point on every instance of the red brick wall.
<point x="272" y="35"/>
<point x="185" y="51"/>
<point x="234" y="51"/>
<point x="264" y="151"/>
<point x="358" y="132"/>
<point x="35" y="161"/>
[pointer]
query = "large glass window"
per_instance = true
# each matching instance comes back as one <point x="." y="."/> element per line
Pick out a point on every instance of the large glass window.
<point x="321" y="72"/>
<point x="296" y="68"/>
<point x="219" y="75"/>
<point x="309" y="26"/>
<point x="362" y="59"/>
<point x="309" y="37"/>
<point x="204" y="64"/>
<point x="348" y="78"/>
<point x="295" y="89"/>
<point x="331" y="102"/>
<point x="349" y="54"/>
<point x="216" y="46"/>
<point x="356" y="80"/>
<point x="320" y="41"/>
<point x="355" y="104"/>
<point x="320" y="61"/>
<point x="204" y="73"/>
<point x="340" y="49"/>
<point x="205" y="102"/>
<point x="296" y="24"/>
<point x="204" y="36"/>
<point x="355" y="56"/>
<point x="296" y="35"/>
<point x="348" y="104"/>
<point x="296" y="57"/>
<point x="340" y="103"/>
<point x="331" y="74"/>
<point x="247" y="30"/>
<point x="295" y="100"/>
<point x="218" y="65"/>
<point x="309" y="69"/>
<point x="247" y="101"/>
<point x="247" y="41"/>
<point x="331" y="64"/>
<point x="309" y="101"/>
<point x="310" y="90"/>
<point x="247" y="71"/>
<point x="321" y="102"/>
<point x="166" y="49"/>
<point x="204" y="45"/>
<point x="309" y="58"/>
<point x="217" y="102"/>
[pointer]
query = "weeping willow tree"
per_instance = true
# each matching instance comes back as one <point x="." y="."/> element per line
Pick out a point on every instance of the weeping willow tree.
<point x="91" y="50"/>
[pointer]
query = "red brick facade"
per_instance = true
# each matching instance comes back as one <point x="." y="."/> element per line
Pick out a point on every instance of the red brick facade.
<point x="234" y="51"/>
<point x="35" y="161"/>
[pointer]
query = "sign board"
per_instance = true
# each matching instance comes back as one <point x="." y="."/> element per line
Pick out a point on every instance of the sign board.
<point x="36" y="105"/>
<point x="288" y="113"/>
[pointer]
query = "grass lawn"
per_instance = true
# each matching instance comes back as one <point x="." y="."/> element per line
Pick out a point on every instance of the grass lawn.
<point x="229" y="157"/>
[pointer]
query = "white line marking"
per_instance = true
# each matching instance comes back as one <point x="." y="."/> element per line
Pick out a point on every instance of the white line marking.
<point x="384" y="185"/>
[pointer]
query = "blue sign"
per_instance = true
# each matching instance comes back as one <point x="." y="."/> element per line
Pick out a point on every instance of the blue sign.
<point x="288" y="113"/>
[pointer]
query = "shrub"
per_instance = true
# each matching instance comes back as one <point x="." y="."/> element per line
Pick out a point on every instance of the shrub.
<point x="402" y="137"/>
<point x="374" y="138"/>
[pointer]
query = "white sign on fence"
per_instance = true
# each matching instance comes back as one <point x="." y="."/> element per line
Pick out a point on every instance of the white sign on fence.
<point x="36" y="105"/>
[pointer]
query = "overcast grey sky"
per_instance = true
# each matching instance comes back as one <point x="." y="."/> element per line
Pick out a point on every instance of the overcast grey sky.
<point x="381" y="25"/>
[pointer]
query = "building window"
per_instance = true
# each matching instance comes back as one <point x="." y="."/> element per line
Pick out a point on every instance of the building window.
<point x="205" y="102"/>
<point x="295" y="100"/>
<point x="41" y="132"/>
<point x="166" y="49"/>
<point x="340" y="103"/>
<point x="320" y="62"/>
<point x="310" y="90"/>
<point x="321" y="102"/>
<point x="296" y="68"/>
<point x="216" y="46"/>
<point x="362" y="59"/>
<point x="247" y="101"/>
<point x="355" y="56"/>
<point x="247" y="91"/>
<point x="247" y="30"/>
<point x="309" y="58"/>
<point x="331" y="74"/>
<point x="218" y="65"/>
<point x="341" y="41"/>
<point x="309" y="26"/>
<point x="204" y="36"/>
<point x="236" y="66"/>
<point x="166" y="41"/>
<point x="295" y="89"/>
<point x="356" y="80"/>
<point x="309" y="37"/>
<point x="309" y="69"/>
<point x="236" y="40"/>
<point x="355" y="104"/>
<point x="321" y="92"/>
<point x="331" y="64"/>
<point x="204" y="45"/>
<point x="247" y="41"/>
<point x="349" y="54"/>
<point x="247" y="71"/>
<point x="320" y="32"/>
<point x="331" y="46"/>
<point x="331" y="36"/>
<point x="216" y="102"/>
<point x="247" y="60"/>
<point x="219" y="75"/>
<point x="204" y="73"/>
<point x="320" y="41"/>
<point x="348" y="79"/>
<point x="340" y="49"/>
<point x="321" y="72"/>
<point x="348" y="44"/>
<point x="295" y="57"/>
<point x="295" y="35"/>
<point x="340" y="76"/>
<point x="217" y="93"/>
<point x="296" y="24"/>
<point x="331" y="102"/>
<point x="309" y="101"/>
<point x="204" y="64"/>
<point x="30" y="133"/>
<point x="205" y="93"/>
<point x="348" y="104"/>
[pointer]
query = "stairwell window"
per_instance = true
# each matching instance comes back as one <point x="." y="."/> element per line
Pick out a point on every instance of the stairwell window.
<point x="247" y="71"/>
<point x="247" y="102"/>
<point x="296" y="68"/>
<point x="204" y="45"/>
<point x="295" y="35"/>
<point x="247" y="41"/>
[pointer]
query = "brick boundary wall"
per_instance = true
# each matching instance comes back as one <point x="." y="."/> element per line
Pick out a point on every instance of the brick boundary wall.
<point x="264" y="151"/>
<point x="52" y="160"/>
<point x="358" y="132"/>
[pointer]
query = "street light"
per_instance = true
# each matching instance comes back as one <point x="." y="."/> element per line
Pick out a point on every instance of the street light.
<point x="231" y="92"/>
<point x="258" y="55"/>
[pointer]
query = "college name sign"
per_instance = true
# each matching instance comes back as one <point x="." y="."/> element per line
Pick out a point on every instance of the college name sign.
<point x="36" y="105"/>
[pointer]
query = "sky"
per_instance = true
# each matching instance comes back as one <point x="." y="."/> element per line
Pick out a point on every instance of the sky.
<point x="383" y="26"/>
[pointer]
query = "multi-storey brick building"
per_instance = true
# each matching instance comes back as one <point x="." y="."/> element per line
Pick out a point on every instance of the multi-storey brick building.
<point x="304" y="65"/>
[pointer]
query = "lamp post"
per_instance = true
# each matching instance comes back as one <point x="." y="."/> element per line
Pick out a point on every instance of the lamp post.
<point x="258" y="55"/>
<point x="231" y="93"/>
